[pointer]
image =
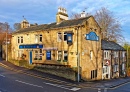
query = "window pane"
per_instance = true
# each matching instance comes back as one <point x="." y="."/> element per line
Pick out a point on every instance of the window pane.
<point x="65" y="55"/>
<point x="40" y="38"/>
<point x="59" y="37"/>
<point x="65" y="37"/>
<point x="21" y="39"/>
<point x="59" y="55"/>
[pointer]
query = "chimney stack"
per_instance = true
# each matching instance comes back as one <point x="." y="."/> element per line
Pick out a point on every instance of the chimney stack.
<point x="83" y="14"/>
<point x="61" y="15"/>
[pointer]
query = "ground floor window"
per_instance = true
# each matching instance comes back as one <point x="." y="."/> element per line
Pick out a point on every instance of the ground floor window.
<point x="115" y="68"/>
<point x="93" y="74"/>
<point x="62" y="55"/>
<point x="105" y="69"/>
<point x="65" y="56"/>
<point x="59" y="55"/>
<point x="38" y="54"/>
<point x="20" y="53"/>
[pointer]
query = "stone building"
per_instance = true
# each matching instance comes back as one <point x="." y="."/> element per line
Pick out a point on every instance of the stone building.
<point x="75" y="42"/>
<point x="114" y="60"/>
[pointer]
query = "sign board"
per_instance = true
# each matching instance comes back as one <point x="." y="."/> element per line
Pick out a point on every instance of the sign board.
<point x="92" y="36"/>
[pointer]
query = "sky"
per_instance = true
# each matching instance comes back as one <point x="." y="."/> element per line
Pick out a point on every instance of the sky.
<point x="44" y="11"/>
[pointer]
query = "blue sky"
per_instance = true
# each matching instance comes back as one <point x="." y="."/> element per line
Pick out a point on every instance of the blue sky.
<point x="44" y="11"/>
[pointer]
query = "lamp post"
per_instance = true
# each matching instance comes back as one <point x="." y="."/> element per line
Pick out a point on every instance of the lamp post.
<point x="6" y="47"/>
<point x="127" y="55"/>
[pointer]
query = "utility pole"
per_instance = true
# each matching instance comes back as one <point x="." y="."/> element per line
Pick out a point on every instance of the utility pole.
<point x="6" y="42"/>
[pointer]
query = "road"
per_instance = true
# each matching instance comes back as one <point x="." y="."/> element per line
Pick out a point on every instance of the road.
<point x="18" y="81"/>
<point x="13" y="81"/>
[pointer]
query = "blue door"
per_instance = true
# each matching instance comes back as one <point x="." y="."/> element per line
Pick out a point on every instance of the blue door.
<point x="30" y="61"/>
<point x="48" y="55"/>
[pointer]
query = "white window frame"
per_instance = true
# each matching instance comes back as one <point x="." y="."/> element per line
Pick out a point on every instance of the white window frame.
<point x="38" y="54"/>
<point x="59" y="36"/>
<point x="20" y="39"/>
<point x="123" y="54"/>
<point x="115" y="54"/>
<point x="59" y="57"/>
<point x="38" y="38"/>
<point x="20" y="52"/>
<point x="106" y="54"/>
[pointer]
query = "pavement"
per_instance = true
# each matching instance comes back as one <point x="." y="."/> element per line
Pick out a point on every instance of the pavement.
<point x="112" y="83"/>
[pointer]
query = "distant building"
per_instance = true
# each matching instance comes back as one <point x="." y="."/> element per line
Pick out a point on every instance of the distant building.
<point x="114" y="60"/>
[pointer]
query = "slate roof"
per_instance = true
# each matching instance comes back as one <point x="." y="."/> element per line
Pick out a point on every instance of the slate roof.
<point x="109" y="45"/>
<point x="65" y="23"/>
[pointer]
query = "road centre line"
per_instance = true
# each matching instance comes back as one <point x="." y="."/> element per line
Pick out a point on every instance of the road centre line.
<point x="63" y="86"/>
<point x="28" y="84"/>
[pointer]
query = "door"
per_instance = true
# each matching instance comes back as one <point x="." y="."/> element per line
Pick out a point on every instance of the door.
<point x="30" y="59"/>
<point x="48" y="55"/>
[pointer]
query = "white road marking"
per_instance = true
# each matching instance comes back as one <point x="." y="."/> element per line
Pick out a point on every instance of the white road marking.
<point x="29" y="84"/>
<point x="2" y="75"/>
<point x="62" y="86"/>
<point x="75" y="89"/>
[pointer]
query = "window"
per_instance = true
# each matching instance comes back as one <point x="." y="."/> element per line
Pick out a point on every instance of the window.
<point x="38" y="54"/>
<point x="91" y="55"/>
<point x="20" y="52"/>
<point x="105" y="69"/>
<point x="20" y="39"/>
<point x="65" y="56"/>
<point x="115" y="69"/>
<point x="123" y="54"/>
<point x="106" y="55"/>
<point x="93" y="74"/>
<point x="38" y="38"/>
<point x="65" y="37"/>
<point x="59" y="38"/>
<point x="115" y="54"/>
<point x="59" y="55"/>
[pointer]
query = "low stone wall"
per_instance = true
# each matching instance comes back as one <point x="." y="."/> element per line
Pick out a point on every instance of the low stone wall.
<point x="61" y="71"/>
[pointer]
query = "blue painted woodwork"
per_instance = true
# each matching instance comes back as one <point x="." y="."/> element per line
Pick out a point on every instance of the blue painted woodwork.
<point x="30" y="46"/>
<point x="92" y="36"/>
<point x="48" y="55"/>
<point x="30" y="61"/>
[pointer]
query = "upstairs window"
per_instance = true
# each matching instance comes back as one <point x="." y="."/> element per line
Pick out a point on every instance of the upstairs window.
<point x="115" y="54"/>
<point x="65" y="36"/>
<point x="38" y="38"/>
<point x="106" y="54"/>
<point x="59" y="37"/>
<point x="20" y="39"/>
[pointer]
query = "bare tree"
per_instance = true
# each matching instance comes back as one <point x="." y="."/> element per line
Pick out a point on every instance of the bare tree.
<point x="111" y="28"/>
<point x="4" y="28"/>
<point x="17" y="26"/>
